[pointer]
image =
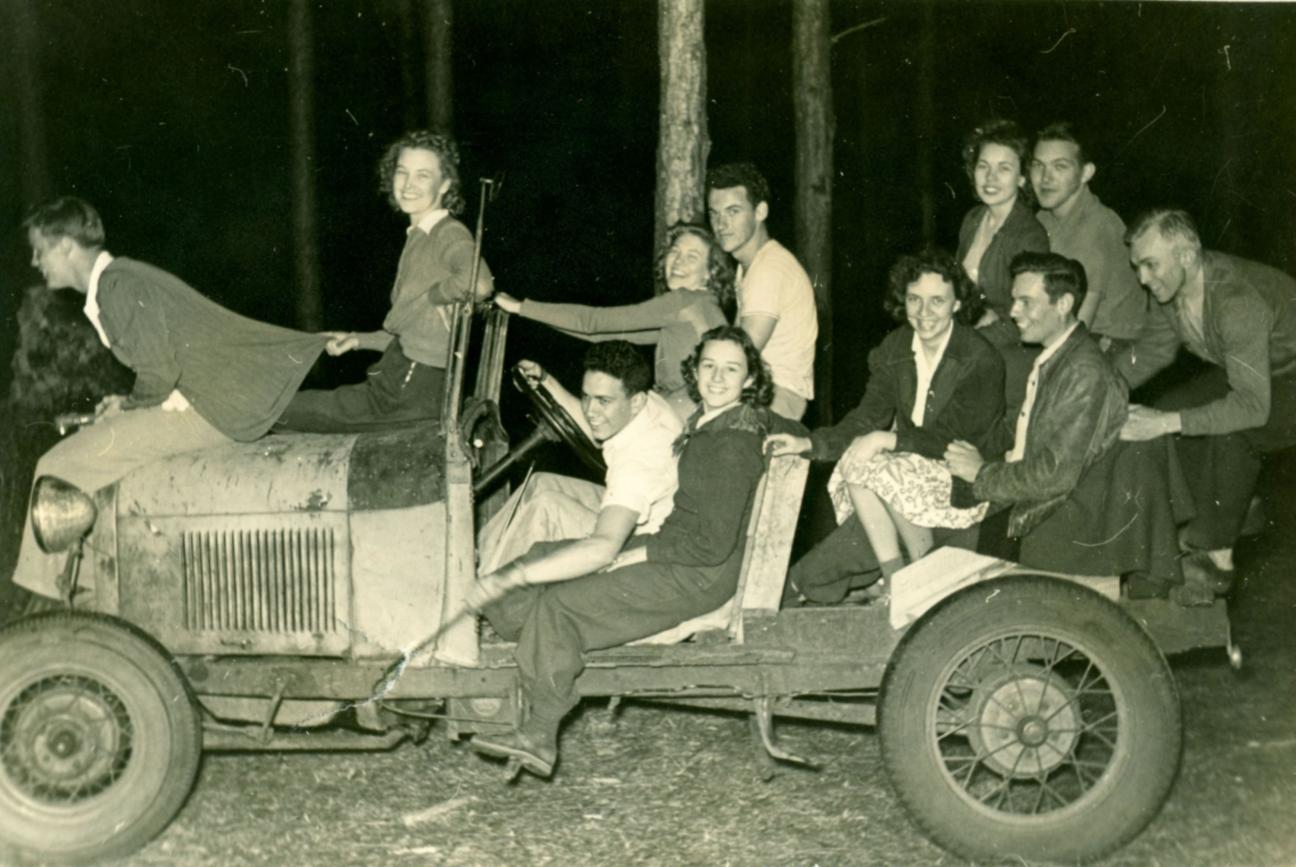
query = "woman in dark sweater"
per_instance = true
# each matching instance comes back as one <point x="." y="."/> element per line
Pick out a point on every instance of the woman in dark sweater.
<point x="931" y="381"/>
<point x="687" y="568"/>
<point x="694" y="284"/>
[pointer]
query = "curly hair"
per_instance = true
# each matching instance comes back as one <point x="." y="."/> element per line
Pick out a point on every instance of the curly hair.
<point x="909" y="269"/>
<point x="720" y="267"/>
<point x="745" y="175"/>
<point x="447" y="153"/>
<point x="67" y="217"/>
<point x="620" y="360"/>
<point x="758" y="395"/>
<point x="1001" y="132"/>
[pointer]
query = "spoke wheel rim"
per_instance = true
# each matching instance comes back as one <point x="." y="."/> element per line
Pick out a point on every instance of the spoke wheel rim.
<point x="1027" y="726"/>
<point x="65" y="739"/>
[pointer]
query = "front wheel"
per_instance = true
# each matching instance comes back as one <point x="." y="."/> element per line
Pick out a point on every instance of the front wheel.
<point x="99" y="739"/>
<point x="1030" y="718"/>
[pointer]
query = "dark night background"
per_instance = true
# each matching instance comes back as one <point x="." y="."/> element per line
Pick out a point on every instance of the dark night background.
<point x="173" y="119"/>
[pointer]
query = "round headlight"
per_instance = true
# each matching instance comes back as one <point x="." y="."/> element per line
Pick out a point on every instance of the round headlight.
<point x="61" y="514"/>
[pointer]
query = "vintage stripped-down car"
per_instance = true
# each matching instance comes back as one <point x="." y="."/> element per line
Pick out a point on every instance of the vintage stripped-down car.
<point x="243" y="597"/>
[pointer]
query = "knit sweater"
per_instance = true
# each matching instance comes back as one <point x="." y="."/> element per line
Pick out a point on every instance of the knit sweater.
<point x="434" y="271"/>
<point x="237" y="373"/>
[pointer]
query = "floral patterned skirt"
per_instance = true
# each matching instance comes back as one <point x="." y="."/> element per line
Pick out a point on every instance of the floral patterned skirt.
<point x="914" y="486"/>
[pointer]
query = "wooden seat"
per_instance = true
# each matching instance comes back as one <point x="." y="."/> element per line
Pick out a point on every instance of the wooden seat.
<point x="766" y="552"/>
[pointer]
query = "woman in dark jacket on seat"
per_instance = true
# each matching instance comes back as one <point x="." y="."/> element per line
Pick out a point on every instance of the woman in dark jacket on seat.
<point x="931" y="381"/>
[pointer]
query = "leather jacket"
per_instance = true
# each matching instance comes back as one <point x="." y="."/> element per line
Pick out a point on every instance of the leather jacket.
<point x="1080" y="405"/>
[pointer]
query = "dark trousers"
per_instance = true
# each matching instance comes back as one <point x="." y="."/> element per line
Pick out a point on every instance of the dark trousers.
<point x="844" y="561"/>
<point x="554" y="624"/>
<point x="1222" y="470"/>
<point x="396" y="391"/>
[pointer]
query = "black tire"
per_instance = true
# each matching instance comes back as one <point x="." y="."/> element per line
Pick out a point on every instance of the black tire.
<point x="99" y="739"/>
<point x="1030" y="718"/>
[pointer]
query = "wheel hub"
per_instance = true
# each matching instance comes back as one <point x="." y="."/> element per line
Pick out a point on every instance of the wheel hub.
<point x="64" y="739"/>
<point x="1025" y="722"/>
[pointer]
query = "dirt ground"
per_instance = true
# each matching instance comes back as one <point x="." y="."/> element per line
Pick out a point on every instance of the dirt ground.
<point x="679" y="788"/>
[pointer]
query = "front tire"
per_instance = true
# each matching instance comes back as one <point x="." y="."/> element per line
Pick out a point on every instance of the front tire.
<point x="99" y="739"/>
<point x="1030" y="718"/>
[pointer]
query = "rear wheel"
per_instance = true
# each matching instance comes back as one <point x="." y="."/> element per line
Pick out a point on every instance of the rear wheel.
<point x="99" y="739"/>
<point x="1030" y="718"/>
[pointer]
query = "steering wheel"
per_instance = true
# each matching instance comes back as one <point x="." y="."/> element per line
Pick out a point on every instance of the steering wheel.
<point x="551" y="414"/>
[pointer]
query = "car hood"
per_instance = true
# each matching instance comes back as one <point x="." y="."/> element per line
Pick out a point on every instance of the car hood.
<point x="293" y="473"/>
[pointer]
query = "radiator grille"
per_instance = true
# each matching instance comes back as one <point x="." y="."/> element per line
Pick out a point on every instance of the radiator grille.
<point x="274" y="581"/>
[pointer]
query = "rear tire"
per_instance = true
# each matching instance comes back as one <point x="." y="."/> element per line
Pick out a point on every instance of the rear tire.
<point x="1030" y="718"/>
<point x="99" y="739"/>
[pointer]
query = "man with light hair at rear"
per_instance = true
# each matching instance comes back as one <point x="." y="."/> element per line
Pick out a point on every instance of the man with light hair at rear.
<point x="1240" y="318"/>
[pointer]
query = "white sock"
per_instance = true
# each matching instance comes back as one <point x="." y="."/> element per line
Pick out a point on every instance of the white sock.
<point x="1223" y="558"/>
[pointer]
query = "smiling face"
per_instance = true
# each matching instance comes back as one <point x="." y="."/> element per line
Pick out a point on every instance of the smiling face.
<point x="52" y="257"/>
<point x="722" y="373"/>
<point x="606" y="405"/>
<point x="418" y="182"/>
<point x="735" y="220"/>
<point x="930" y="306"/>
<point x="1039" y="319"/>
<point x="1057" y="175"/>
<point x="687" y="263"/>
<point x="997" y="174"/>
<point x="1162" y="266"/>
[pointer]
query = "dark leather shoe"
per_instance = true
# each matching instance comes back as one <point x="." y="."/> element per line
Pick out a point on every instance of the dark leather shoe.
<point x="1200" y="569"/>
<point x="536" y="754"/>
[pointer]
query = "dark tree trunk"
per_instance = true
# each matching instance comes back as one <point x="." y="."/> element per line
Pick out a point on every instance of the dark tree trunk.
<point x="301" y="93"/>
<point x="682" y="142"/>
<point x="30" y="107"/>
<point x="812" y="104"/>
<point x="927" y="121"/>
<point x="439" y="17"/>
<point x="409" y="42"/>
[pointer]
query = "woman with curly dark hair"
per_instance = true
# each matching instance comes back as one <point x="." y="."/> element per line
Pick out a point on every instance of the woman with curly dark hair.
<point x="996" y="155"/>
<point x="931" y="381"/>
<point x="689" y="567"/>
<point x="419" y="173"/>
<point x="695" y="286"/>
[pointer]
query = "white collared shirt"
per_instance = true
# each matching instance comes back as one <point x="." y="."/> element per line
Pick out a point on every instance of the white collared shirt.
<point x="102" y="261"/>
<point x="430" y="219"/>
<point x="1032" y="384"/>
<point x="926" y="372"/>
<point x="641" y="464"/>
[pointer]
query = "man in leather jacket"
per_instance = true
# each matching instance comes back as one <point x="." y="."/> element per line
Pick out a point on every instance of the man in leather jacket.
<point x="1074" y="407"/>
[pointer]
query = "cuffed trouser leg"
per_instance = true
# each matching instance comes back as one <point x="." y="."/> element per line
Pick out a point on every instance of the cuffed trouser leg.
<point x="604" y="610"/>
<point x="99" y="455"/>
<point x="842" y="561"/>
